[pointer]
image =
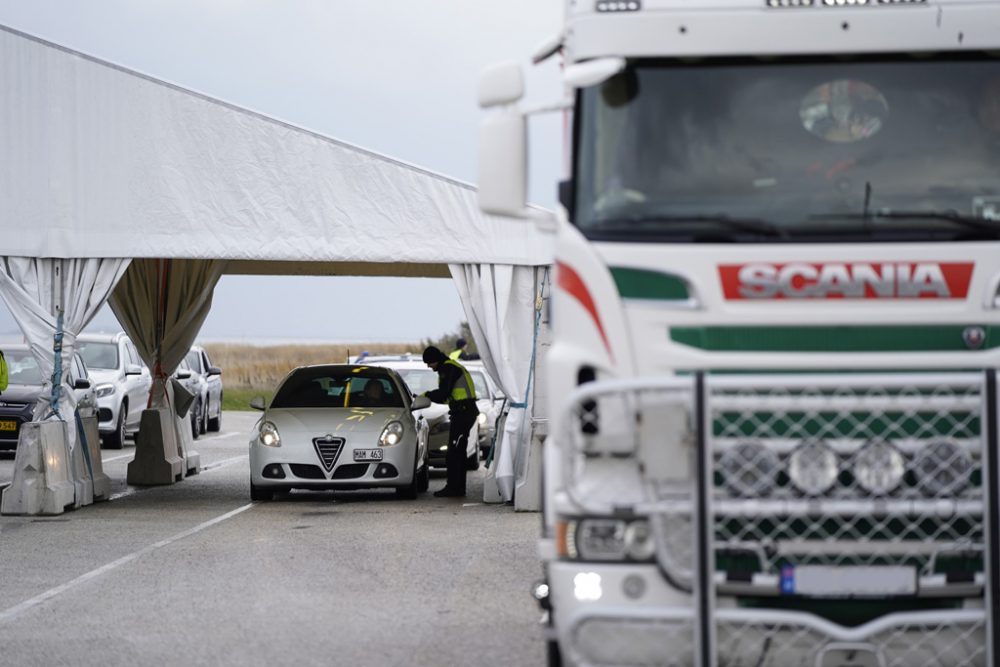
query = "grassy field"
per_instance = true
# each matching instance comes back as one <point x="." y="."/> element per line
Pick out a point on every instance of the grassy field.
<point x="250" y="370"/>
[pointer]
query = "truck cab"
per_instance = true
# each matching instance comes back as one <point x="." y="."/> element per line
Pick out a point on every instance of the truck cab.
<point x="774" y="331"/>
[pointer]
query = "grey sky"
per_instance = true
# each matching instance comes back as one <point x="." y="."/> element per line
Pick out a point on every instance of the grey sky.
<point x="394" y="76"/>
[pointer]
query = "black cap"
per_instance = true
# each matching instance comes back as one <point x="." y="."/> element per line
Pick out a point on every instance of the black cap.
<point x="432" y="355"/>
<point x="461" y="342"/>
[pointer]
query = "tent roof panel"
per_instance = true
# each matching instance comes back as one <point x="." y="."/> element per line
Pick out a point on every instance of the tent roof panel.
<point x="101" y="161"/>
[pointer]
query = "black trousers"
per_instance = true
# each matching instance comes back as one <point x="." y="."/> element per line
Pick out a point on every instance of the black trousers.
<point x="458" y="441"/>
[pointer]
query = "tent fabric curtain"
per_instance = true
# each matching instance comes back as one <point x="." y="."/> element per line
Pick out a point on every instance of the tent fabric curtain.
<point x="499" y="302"/>
<point x="162" y="304"/>
<point x="36" y="290"/>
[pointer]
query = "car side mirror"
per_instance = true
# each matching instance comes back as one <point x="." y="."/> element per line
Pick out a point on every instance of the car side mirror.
<point x="214" y="370"/>
<point x="81" y="383"/>
<point x="182" y="375"/>
<point x="420" y="402"/>
<point x="257" y="403"/>
<point x="133" y="369"/>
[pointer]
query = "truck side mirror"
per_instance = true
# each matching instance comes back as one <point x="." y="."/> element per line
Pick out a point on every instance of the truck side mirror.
<point x="503" y="139"/>
<point x="503" y="164"/>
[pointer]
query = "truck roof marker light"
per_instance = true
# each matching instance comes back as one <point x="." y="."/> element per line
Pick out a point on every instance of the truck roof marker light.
<point x="618" y="6"/>
<point x="570" y="280"/>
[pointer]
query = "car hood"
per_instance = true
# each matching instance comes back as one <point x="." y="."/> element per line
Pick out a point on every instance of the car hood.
<point x="103" y="375"/>
<point x="335" y="421"/>
<point x="20" y="393"/>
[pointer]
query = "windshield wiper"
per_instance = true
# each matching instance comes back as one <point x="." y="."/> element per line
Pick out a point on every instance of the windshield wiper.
<point x="752" y="225"/>
<point x="967" y="221"/>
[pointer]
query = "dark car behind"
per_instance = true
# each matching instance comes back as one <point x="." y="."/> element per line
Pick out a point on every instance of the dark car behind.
<point x="17" y="402"/>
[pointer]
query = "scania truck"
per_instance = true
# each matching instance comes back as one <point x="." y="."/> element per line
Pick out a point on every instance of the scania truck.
<point x="775" y="331"/>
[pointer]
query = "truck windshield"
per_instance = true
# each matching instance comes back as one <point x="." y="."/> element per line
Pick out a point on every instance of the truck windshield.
<point x="898" y="148"/>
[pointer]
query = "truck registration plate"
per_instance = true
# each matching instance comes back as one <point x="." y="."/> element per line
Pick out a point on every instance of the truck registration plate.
<point x="8" y="425"/>
<point x="848" y="581"/>
<point x="367" y="454"/>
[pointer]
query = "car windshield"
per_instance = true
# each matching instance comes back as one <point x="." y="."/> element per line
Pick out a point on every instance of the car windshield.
<point x="479" y="380"/>
<point x="194" y="361"/>
<point x="99" y="355"/>
<point x="22" y="368"/>
<point x="338" y="387"/>
<point x="419" y="380"/>
<point x="725" y="151"/>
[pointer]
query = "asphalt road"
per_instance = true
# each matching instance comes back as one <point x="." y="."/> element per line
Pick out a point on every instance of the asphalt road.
<point x="195" y="574"/>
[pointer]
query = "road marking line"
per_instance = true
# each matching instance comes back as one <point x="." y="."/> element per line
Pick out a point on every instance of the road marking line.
<point x="208" y="468"/>
<point x="223" y="463"/>
<point x="58" y="590"/>
<point x="117" y="458"/>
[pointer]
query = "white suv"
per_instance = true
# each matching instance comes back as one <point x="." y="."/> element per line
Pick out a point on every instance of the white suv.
<point x="121" y="381"/>
<point x="420" y="378"/>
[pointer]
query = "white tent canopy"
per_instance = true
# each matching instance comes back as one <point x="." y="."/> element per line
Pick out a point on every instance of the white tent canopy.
<point x="103" y="162"/>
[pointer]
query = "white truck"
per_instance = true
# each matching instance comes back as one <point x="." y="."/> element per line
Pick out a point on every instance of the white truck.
<point x="775" y="328"/>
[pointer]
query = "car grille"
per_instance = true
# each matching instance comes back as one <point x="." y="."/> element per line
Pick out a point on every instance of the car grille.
<point x="304" y="471"/>
<point x="351" y="471"/>
<point x="328" y="449"/>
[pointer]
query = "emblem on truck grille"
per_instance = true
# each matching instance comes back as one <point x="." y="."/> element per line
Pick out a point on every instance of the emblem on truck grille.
<point x="974" y="337"/>
<point x="846" y="280"/>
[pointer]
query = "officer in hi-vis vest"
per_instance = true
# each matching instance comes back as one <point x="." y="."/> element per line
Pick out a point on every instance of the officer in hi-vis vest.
<point x="455" y="388"/>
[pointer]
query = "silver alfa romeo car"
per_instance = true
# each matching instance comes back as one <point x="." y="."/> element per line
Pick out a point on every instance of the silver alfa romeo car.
<point x="339" y="427"/>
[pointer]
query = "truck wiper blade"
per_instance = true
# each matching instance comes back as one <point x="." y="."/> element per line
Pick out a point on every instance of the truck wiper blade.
<point x="968" y="221"/>
<point x="753" y="225"/>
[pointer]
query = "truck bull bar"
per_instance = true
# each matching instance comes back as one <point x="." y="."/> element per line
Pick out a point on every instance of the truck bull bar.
<point x="734" y="474"/>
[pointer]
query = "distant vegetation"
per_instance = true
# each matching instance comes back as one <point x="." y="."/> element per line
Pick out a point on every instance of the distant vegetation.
<point x="255" y="370"/>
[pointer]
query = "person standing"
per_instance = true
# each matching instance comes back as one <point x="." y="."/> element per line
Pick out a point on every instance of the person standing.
<point x="459" y="352"/>
<point x="455" y="387"/>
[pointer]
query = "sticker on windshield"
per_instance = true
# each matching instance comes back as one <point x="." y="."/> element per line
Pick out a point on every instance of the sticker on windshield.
<point x="987" y="208"/>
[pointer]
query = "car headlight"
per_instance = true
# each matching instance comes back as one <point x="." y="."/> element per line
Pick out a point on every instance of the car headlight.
<point x="392" y="434"/>
<point x="269" y="435"/>
<point x="749" y="469"/>
<point x="943" y="468"/>
<point x="813" y="467"/>
<point x="103" y="390"/>
<point x="481" y="419"/>
<point x="879" y="467"/>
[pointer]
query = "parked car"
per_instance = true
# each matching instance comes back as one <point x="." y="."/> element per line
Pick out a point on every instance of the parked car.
<point x="195" y="385"/>
<point x="490" y="400"/>
<point x="339" y="426"/>
<point x="122" y="383"/>
<point x="420" y="378"/>
<point x="17" y="403"/>
<point x="208" y="403"/>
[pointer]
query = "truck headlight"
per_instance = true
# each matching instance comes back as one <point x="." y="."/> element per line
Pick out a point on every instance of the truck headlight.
<point x="103" y="390"/>
<point x="608" y="540"/>
<point x="639" y="542"/>
<point x="749" y="469"/>
<point x="813" y="467"/>
<point x="269" y="435"/>
<point x="943" y="468"/>
<point x="879" y="467"/>
<point x="391" y="434"/>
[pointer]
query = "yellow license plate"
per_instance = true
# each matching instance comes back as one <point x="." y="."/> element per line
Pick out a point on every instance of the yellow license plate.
<point x="8" y="425"/>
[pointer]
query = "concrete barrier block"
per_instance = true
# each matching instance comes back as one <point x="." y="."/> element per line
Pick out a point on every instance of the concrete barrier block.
<point x="156" y="450"/>
<point x="41" y="482"/>
<point x="102" y="483"/>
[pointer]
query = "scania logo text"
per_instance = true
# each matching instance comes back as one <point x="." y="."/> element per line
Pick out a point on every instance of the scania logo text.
<point x="846" y="280"/>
